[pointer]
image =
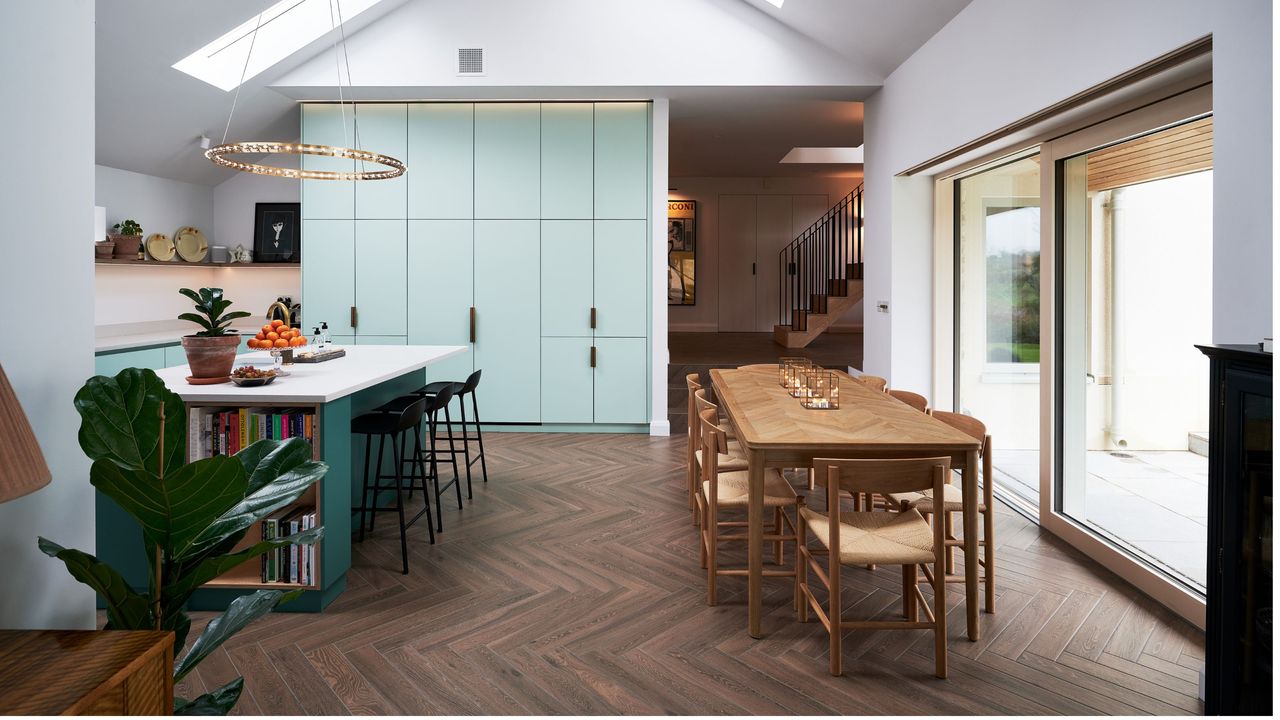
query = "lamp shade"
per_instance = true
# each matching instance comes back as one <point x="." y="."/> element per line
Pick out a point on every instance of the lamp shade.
<point x="22" y="467"/>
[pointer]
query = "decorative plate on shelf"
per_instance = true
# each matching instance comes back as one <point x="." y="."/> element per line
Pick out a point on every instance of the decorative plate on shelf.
<point x="160" y="247"/>
<point x="191" y="244"/>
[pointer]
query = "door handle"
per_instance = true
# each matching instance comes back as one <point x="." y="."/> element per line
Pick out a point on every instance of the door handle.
<point x="354" y="316"/>
<point x="472" y="322"/>
<point x="753" y="268"/>
<point x="593" y="318"/>
<point x="593" y="356"/>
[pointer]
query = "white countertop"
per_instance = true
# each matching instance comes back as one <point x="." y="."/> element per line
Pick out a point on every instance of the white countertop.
<point x="108" y="338"/>
<point x="363" y="367"/>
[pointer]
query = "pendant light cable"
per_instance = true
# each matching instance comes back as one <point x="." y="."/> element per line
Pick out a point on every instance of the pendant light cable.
<point x="252" y="39"/>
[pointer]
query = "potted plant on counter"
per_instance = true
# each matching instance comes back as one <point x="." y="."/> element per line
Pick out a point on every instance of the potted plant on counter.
<point x="128" y="239"/>
<point x="193" y="517"/>
<point x="212" y="351"/>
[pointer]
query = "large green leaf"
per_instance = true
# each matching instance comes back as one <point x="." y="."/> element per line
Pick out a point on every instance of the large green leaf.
<point x="283" y="491"/>
<point x="177" y="510"/>
<point x="212" y="567"/>
<point x="218" y="702"/>
<point x="266" y="460"/>
<point x="197" y="319"/>
<point x="119" y="420"/>
<point x="126" y="609"/>
<point x="242" y="611"/>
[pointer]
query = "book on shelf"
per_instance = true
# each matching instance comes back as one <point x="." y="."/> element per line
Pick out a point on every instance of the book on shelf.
<point x="292" y="563"/>
<point x="226" y="431"/>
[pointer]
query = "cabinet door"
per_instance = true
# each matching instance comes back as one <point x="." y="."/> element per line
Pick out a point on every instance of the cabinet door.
<point x="440" y="294"/>
<point x="567" y="158"/>
<point x="174" y="355"/>
<point x="773" y="232"/>
<point x="329" y="199"/>
<point x="622" y="160"/>
<point x="440" y="159"/>
<point x="621" y="278"/>
<point x="566" y="278"/>
<point x="736" y="252"/>
<point x="328" y="273"/>
<point x="381" y="340"/>
<point x="383" y="129"/>
<point x="381" y="277"/>
<point x="507" y="313"/>
<point x="508" y="141"/>
<point x="566" y="380"/>
<point x="112" y="363"/>
<point x="622" y="380"/>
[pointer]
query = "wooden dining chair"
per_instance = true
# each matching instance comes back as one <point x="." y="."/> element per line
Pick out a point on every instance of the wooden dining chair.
<point x="731" y="461"/>
<point x="886" y="538"/>
<point x="953" y="504"/>
<point x="873" y="381"/>
<point x="720" y="491"/>
<point x="915" y="400"/>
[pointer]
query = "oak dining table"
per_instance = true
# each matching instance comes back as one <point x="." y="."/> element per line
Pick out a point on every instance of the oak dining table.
<point x="775" y="431"/>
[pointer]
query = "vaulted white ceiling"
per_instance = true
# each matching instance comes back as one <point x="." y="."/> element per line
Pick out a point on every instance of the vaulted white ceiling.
<point x="747" y="81"/>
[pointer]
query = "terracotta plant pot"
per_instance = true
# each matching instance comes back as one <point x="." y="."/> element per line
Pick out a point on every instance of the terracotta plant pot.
<point x="126" y="246"/>
<point x="103" y="249"/>
<point x="211" y="357"/>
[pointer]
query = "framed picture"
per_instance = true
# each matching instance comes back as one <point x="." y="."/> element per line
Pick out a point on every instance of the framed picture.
<point x="681" y="251"/>
<point x="277" y="235"/>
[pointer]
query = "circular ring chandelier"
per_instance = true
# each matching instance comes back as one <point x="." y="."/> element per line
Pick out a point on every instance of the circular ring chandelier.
<point x="219" y="154"/>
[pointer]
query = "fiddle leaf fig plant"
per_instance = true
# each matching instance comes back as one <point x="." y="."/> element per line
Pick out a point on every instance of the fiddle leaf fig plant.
<point x="193" y="517"/>
<point x="211" y="306"/>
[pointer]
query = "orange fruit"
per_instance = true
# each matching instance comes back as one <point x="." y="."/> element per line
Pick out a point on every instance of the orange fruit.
<point x="260" y="336"/>
<point x="286" y="334"/>
<point x="282" y="343"/>
<point x="273" y="336"/>
<point x="276" y="323"/>
<point x="295" y="342"/>
<point x="303" y="339"/>
<point x="266" y="328"/>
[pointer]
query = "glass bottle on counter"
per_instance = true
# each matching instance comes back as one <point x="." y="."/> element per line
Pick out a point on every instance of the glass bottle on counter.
<point x="324" y="335"/>
<point x="317" y="344"/>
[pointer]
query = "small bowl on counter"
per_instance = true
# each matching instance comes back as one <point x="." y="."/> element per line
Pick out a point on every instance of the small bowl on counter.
<point x="250" y="376"/>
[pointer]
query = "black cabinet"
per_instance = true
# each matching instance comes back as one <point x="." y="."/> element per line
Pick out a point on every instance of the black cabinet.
<point x="1238" y="612"/>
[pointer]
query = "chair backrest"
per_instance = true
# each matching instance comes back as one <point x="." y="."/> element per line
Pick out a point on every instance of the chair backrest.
<point x="873" y="381"/>
<point x="438" y="403"/>
<point x="411" y="415"/>
<point x="882" y="476"/>
<point x="967" y="424"/>
<point x="714" y="440"/>
<point x="692" y="382"/>
<point x="471" y="383"/>
<point x="915" y="400"/>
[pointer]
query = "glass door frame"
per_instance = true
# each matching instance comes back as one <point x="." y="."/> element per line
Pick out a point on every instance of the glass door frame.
<point x="1187" y="105"/>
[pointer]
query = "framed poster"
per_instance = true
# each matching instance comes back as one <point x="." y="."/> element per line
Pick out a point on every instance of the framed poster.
<point x="277" y="233"/>
<point x="681" y="251"/>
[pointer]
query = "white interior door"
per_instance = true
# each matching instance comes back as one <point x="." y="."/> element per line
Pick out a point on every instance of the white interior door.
<point x="773" y="232"/>
<point x="736" y="240"/>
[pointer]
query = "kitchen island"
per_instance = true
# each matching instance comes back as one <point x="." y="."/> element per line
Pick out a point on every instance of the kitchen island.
<point x="322" y="397"/>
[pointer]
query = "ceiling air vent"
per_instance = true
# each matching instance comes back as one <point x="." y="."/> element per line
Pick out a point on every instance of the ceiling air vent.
<point x="470" y="61"/>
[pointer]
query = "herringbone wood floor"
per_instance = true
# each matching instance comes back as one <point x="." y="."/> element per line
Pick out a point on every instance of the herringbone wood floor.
<point x="571" y="585"/>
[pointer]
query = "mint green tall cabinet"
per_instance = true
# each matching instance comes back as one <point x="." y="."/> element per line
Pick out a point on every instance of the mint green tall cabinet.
<point x="532" y="219"/>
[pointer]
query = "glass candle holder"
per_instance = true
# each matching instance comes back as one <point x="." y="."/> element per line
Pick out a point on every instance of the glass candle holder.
<point x="799" y="386"/>
<point x="788" y="371"/>
<point x="821" y="390"/>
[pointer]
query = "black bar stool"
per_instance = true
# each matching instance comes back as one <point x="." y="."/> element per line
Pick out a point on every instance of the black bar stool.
<point x="393" y="424"/>
<point x="461" y="390"/>
<point x="428" y="454"/>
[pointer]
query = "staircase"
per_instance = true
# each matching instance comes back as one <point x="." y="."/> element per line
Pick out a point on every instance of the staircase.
<point x="820" y="274"/>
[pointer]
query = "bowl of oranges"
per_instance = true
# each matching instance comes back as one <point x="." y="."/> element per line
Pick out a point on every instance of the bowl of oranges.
<point x="275" y="335"/>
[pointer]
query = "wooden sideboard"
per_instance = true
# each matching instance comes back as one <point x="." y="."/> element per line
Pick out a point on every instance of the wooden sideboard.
<point x="86" y="672"/>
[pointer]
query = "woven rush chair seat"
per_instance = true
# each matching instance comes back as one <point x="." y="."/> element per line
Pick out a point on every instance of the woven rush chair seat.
<point x="952" y="499"/>
<point x="883" y="538"/>
<point x="733" y="489"/>
<point x="731" y="462"/>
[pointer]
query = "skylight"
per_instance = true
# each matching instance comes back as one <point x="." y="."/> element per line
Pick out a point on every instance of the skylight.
<point x="838" y="155"/>
<point x="776" y="3"/>
<point x="287" y="27"/>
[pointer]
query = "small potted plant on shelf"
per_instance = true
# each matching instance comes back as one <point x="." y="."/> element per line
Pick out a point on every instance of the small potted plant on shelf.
<point x="128" y="239"/>
<point x="212" y="351"/>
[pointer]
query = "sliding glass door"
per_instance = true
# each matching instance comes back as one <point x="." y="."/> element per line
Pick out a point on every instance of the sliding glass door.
<point x="997" y="334"/>
<point x="1135" y="247"/>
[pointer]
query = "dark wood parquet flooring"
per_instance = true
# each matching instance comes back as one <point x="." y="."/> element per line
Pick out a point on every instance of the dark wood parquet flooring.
<point x="570" y="585"/>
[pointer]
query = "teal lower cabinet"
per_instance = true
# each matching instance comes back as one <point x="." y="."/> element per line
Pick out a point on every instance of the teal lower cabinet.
<point x="622" y="380"/>
<point x="174" y="355"/>
<point x="440" y="289"/>
<point x="566" y="380"/>
<point x="111" y="363"/>
<point x="381" y="340"/>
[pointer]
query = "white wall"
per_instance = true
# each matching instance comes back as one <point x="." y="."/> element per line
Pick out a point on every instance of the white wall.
<point x="1001" y="60"/>
<point x="703" y="316"/>
<point x="158" y="204"/>
<point x="144" y="295"/>
<point x="234" y="200"/>
<point x="47" y="274"/>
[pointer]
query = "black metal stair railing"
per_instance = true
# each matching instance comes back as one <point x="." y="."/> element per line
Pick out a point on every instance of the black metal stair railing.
<point x="821" y="262"/>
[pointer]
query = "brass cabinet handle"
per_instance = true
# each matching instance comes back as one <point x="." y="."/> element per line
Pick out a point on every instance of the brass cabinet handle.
<point x="473" y="324"/>
<point x="593" y="318"/>
<point x="593" y="356"/>
<point x="354" y="316"/>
